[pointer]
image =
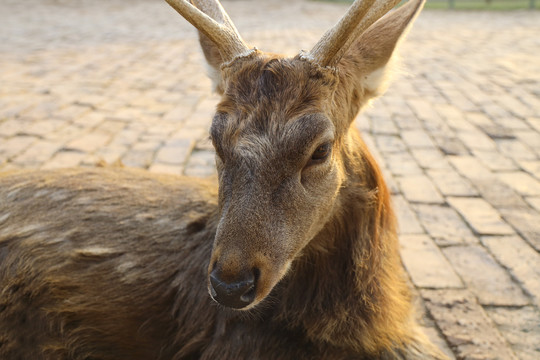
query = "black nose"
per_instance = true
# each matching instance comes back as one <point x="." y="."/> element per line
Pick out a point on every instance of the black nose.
<point x="236" y="294"/>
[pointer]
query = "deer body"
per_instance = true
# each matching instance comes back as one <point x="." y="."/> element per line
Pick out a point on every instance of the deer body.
<point x="297" y="237"/>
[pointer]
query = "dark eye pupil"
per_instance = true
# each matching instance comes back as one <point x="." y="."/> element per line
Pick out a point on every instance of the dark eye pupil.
<point x="321" y="152"/>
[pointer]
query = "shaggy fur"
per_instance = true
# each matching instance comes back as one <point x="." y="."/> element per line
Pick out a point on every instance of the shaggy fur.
<point x="114" y="263"/>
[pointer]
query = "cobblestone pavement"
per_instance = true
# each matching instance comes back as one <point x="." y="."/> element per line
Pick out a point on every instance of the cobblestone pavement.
<point x="457" y="134"/>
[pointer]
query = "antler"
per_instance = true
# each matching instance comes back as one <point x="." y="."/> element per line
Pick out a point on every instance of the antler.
<point x="360" y="16"/>
<point x="214" y="23"/>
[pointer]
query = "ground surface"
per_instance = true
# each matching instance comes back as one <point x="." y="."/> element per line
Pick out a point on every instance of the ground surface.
<point x="458" y="134"/>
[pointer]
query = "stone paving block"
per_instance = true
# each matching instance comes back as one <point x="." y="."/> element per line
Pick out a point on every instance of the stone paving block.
<point x="532" y="167"/>
<point x="476" y="140"/>
<point x="444" y="225"/>
<point x="37" y="153"/>
<point x="175" y="153"/>
<point x="430" y="158"/>
<point x="522" y="182"/>
<point x="425" y="263"/>
<point x="88" y="143"/>
<point x="534" y="202"/>
<point x="484" y="276"/>
<point x="513" y="105"/>
<point x="419" y="188"/>
<point x="111" y="126"/>
<point x="417" y="139"/>
<point x="459" y="100"/>
<point x="42" y="108"/>
<point x="497" y="132"/>
<point x="402" y="164"/>
<point x="520" y="327"/>
<point x="463" y="126"/>
<point x="112" y="153"/>
<point x="126" y="137"/>
<point x="493" y="110"/>
<point x="450" y="113"/>
<point x="92" y="160"/>
<point x="495" y="161"/>
<point x="450" y="145"/>
<point x="470" y="167"/>
<point x="42" y="128"/>
<point x="520" y="259"/>
<point x="201" y="163"/>
<point x="141" y="155"/>
<point x="529" y="138"/>
<point x="389" y="143"/>
<point x="71" y="112"/>
<point x="407" y="221"/>
<point x="11" y="127"/>
<point x="513" y="123"/>
<point x="407" y="121"/>
<point x="179" y="113"/>
<point x="187" y="133"/>
<point x="534" y="122"/>
<point x="138" y="158"/>
<point x="423" y="109"/>
<point x="12" y="110"/>
<point x="516" y="150"/>
<point x="166" y="169"/>
<point x="481" y="216"/>
<point x="499" y="194"/>
<point x="15" y="145"/>
<point x="450" y="183"/>
<point x="525" y="221"/>
<point x="163" y="131"/>
<point x="122" y="114"/>
<point x="67" y="133"/>
<point x="382" y="124"/>
<point x="465" y="325"/>
<point x="436" y="338"/>
<point x="89" y="120"/>
<point x="91" y="100"/>
<point x="479" y="119"/>
<point x="64" y="159"/>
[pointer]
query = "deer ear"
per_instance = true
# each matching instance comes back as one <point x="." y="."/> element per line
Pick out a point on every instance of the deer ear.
<point x="372" y="52"/>
<point x="213" y="62"/>
<point x="219" y="38"/>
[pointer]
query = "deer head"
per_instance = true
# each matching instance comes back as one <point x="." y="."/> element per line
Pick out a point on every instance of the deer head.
<point x="282" y="134"/>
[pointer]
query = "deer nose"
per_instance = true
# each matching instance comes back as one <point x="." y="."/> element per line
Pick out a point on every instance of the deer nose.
<point x="236" y="294"/>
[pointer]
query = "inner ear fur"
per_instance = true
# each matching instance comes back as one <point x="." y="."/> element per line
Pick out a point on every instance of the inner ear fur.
<point x="213" y="62"/>
<point x="371" y="54"/>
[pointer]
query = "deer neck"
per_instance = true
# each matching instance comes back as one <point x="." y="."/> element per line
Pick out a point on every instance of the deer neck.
<point x="350" y="279"/>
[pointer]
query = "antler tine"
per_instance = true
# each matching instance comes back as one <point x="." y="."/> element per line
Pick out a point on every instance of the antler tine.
<point x="214" y="23"/>
<point x="360" y="16"/>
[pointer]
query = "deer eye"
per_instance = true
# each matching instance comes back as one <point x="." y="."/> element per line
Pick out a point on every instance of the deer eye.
<point x="321" y="153"/>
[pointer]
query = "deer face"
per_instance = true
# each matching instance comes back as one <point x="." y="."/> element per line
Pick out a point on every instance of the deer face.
<point x="280" y="170"/>
<point x="281" y="133"/>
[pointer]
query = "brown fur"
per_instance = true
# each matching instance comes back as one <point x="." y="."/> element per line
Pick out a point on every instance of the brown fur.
<point x="113" y="263"/>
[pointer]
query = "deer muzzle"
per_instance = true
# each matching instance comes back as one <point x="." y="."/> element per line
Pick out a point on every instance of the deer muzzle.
<point x="236" y="293"/>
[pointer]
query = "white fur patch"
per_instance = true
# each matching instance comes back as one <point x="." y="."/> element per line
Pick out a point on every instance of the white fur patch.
<point x="214" y="75"/>
<point x="376" y="82"/>
<point x="95" y="251"/>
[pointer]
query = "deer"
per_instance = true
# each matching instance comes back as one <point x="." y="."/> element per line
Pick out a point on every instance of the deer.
<point x="290" y="253"/>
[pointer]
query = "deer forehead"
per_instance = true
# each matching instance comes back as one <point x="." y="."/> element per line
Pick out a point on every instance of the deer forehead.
<point x="272" y="103"/>
<point x="271" y="83"/>
<point x="270" y="137"/>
